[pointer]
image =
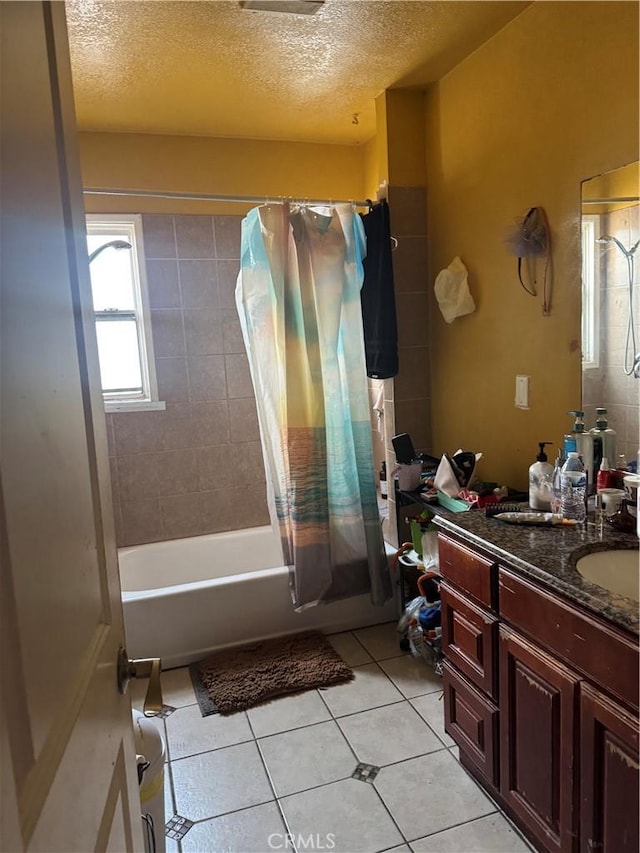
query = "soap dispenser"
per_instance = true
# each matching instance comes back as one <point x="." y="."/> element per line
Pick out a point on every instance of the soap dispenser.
<point x="541" y="480"/>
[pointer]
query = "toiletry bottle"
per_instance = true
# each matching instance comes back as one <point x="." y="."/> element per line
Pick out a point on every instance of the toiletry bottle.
<point x="541" y="480"/>
<point x="383" y="480"/>
<point x="604" y="439"/>
<point x="574" y="488"/>
<point x="604" y="475"/>
<point x="556" y="484"/>
<point x="584" y="446"/>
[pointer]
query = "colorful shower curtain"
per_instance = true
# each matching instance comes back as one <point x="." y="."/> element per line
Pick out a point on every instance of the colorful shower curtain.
<point x="298" y="298"/>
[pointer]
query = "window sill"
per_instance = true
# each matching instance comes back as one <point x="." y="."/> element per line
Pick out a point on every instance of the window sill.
<point x="134" y="405"/>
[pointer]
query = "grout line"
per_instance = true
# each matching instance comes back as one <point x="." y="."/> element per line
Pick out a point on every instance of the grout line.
<point x="455" y="825"/>
<point x="272" y="786"/>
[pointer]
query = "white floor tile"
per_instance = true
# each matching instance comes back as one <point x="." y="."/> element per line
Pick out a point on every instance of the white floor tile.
<point x="254" y="830"/>
<point x="171" y="845"/>
<point x="349" y="649"/>
<point x="393" y="733"/>
<point x="455" y="752"/>
<point x="212" y="783"/>
<point x="404" y="848"/>
<point x="288" y="712"/>
<point x="412" y="675"/>
<point x="370" y="689"/>
<point x="491" y="834"/>
<point x="307" y="757"/>
<point x="177" y="689"/>
<point x="447" y="794"/>
<point x="346" y="816"/>
<point x="188" y="732"/>
<point x="431" y="709"/>
<point x="381" y="641"/>
<point x="169" y="805"/>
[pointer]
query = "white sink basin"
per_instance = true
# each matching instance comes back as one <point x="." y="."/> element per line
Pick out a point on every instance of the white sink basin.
<point x="618" y="571"/>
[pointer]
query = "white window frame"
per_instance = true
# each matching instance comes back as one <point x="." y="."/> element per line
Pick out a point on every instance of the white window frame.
<point x="129" y="227"/>
<point x="590" y="292"/>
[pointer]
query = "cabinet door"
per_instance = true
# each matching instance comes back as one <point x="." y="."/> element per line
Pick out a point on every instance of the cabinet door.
<point x="537" y="701"/>
<point x="609" y="775"/>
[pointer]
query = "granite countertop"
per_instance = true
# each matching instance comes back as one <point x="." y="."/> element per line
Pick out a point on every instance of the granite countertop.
<point x="549" y="554"/>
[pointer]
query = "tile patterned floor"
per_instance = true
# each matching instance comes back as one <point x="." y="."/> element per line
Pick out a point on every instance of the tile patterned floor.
<point x="363" y="767"/>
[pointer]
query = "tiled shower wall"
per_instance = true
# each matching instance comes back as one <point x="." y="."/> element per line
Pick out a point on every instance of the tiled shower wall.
<point x="607" y="384"/>
<point x="197" y="467"/>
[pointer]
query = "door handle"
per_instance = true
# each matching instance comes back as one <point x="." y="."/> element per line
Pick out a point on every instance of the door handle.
<point x="141" y="668"/>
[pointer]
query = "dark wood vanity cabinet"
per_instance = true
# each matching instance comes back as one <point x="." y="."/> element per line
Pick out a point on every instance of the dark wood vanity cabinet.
<point x="542" y="700"/>
<point x="537" y="718"/>
<point x="609" y="775"/>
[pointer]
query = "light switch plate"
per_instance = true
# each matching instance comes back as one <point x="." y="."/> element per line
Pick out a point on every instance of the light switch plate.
<point x="522" y="392"/>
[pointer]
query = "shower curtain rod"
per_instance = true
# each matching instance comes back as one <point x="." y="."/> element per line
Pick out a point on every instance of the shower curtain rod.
<point x="619" y="200"/>
<point x="205" y="197"/>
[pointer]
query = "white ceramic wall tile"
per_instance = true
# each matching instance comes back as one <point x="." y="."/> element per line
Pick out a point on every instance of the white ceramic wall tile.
<point x="381" y="641"/>
<point x="393" y="733"/>
<point x="349" y="649"/>
<point x="370" y="689"/>
<point x="213" y="783"/>
<point x="307" y="757"/>
<point x="254" y="830"/>
<point x="491" y="834"/>
<point x="188" y="732"/>
<point x="347" y="814"/>
<point x="288" y="712"/>
<point x="412" y="675"/>
<point x="449" y="796"/>
<point x="431" y="709"/>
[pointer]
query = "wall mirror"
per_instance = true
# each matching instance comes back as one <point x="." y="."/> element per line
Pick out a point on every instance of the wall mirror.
<point x="610" y="228"/>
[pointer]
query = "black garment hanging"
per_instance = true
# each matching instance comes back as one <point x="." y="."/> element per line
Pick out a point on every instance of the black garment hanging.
<point x="377" y="295"/>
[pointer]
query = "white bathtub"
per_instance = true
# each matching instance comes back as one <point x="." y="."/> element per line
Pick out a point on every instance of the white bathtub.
<point x="187" y="597"/>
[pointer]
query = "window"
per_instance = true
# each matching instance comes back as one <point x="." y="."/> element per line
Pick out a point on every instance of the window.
<point x="119" y="288"/>
<point x="590" y="293"/>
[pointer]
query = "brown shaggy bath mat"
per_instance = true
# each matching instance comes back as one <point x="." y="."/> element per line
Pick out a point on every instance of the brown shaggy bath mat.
<point x="239" y="678"/>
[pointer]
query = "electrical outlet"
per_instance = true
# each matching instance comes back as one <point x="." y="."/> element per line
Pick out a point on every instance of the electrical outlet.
<point x="522" y="392"/>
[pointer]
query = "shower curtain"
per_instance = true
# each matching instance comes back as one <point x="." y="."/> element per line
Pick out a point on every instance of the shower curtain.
<point x="298" y="298"/>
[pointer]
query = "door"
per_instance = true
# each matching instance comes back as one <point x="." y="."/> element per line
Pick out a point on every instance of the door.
<point x="537" y="700"/>
<point x="609" y="774"/>
<point x="69" y="779"/>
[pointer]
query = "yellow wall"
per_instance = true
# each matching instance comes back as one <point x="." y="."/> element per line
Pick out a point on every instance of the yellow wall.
<point x="551" y="100"/>
<point x="236" y="167"/>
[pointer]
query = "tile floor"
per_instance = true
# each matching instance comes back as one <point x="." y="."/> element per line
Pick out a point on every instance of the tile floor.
<point x="356" y="768"/>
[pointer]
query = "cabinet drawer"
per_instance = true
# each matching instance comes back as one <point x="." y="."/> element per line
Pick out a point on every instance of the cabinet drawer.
<point x="466" y="570"/>
<point x="469" y="639"/>
<point x="472" y="721"/>
<point x="595" y="649"/>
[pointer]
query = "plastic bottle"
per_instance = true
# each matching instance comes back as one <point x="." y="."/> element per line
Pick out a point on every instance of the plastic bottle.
<point x="540" y="480"/>
<point x="604" y="439"/>
<point x="604" y="475"/>
<point x="574" y="488"/>
<point x="556" y="484"/>
<point x="384" y="493"/>
<point x="582" y="442"/>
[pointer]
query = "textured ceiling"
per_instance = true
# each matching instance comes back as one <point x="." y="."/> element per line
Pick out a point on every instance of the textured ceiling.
<point x="213" y="69"/>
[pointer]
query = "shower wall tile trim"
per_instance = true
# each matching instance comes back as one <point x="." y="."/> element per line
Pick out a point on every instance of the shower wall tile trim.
<point x="197" y="467"/>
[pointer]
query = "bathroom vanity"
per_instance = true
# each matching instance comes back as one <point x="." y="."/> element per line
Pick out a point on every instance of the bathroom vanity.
<point x="541" y="679"/>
